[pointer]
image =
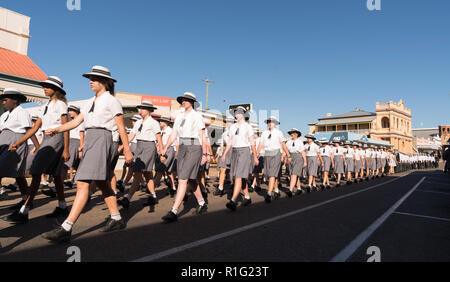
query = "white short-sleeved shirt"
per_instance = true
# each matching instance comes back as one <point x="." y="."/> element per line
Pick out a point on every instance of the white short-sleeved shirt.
<point x="257" y="142"/>
<point x="295" y="147"/>
<point x="357" y="154"/>
<point x="326" y="151"/>
<point x="349" y="152"/>
<point x="189" y="126"/>
<point x="274" y="142"/>
<point x="106" y="108"/>
<point x="312" y="149"/>
<point x="368" y="153"/>
<point x="165" y="134"/>
<point x="18" y="120"/>
<point x="51" y="114"/>
<point x="240" y="135"/>
<point x="338" y="151"/>
<point x="75" y="133"/>
<point x="378" y="154"/>
<point x="383" y="155"/>
<point x="146" y="130"/>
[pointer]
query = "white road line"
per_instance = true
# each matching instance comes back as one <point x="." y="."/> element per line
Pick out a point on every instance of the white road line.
<point x="424" y="216"/>
<point x="435" y="192"/>
<point x="194" y="244"/>
<point x="361" y="238"/>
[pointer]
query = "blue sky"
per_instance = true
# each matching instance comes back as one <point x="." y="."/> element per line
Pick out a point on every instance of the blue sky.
<point x="304" y="58"/>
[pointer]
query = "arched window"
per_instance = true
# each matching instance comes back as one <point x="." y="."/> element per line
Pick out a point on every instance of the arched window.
<point x="385" y="122"/>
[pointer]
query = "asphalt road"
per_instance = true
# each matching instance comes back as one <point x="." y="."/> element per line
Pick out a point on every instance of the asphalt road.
<point x="321" y="226"/>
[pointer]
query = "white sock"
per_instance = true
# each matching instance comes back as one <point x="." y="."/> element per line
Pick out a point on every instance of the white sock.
<point x="201" y="202"/>
<point x="116" y="216"/>
<point x="220" y="188"/>
<point x="128" y="196"/>
<point x="24" y="210"/>
<point x="233" y="200"/>
<point x="154" y="195"/>
<point x="247" y="197"/>
<point x="62" y="204"/>
<point x="67" y="225"/>
<point x="277" y="191"/>
<point x="174" y="210"/>
<point x="314" y="185"/>
<point x="269" y="194"/>
<point x="174" y="188"/>
<point x="253" y="186"/>
<point x="115" y="192"/>
<point x="2" y="191"/>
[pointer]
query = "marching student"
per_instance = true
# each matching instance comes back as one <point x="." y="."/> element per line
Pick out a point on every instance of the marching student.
<point x="128" y="167"/>
<point x="384" y="161"/>
<point x="374" y="161"/>
<point x="102" y="115"/>
<point x="326" y="153"/>
<point x="257" y="169"/>
<point x="240" y="140"/>
<point x="76" y="146"/>
<point x="166" y="166"/>
<point x="378" y="158"/>
<point x="53" y="151"/>
<point x="368" y="160"/>
<point x="190" y="128"/>
<point x="223" y="166"/>
<point x="14" y="123"/>
<point x="350" y="161"/>
<point x="392" y="163"/>
<point x="147" y="132"/>
<point x="358" y="162"/>
<point x="339" y="162"/>
<point x="298" y="163"/>
<point x="313" y="157"/>
<point x="272" y="141"/>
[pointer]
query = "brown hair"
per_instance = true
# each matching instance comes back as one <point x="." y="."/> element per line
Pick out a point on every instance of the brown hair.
<point x="60" y="96"/>
<point x="108" y="83"/>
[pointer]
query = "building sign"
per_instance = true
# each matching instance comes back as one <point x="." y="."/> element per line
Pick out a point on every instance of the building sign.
<point x="157" y="100"/>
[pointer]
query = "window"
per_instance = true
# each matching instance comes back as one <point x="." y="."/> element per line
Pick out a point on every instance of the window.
<point x="385" y="122"/>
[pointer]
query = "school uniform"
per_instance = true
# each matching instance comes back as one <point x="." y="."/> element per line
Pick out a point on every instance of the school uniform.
<point x="374" y="160"/>
<point x="325" y="153"/>
<point x="223" y="146"/>
<point x="368" y="155"/>
<point x="240" y="153"/>
<point x="258" y="168"/>
<point x="99" y="125"/>
<point x="378" y="156"/>
<point x="272" y="151"/>
<point x="48" y="160"/>
<point x="359" y="165"/>
<point x="349" y="153"/>
<point x="295" y="149"/>
<point x="74" y="145"/>
<point x="146" y="131"/>
<point x="383" y="156"/>
<point x="30" y="144"/>
<point x="338" y="153"/>
<point x="312" y="159"/>
<point x="168" y="164"/>
<point x="13" y="126"/>
<point x="190" y="152"/>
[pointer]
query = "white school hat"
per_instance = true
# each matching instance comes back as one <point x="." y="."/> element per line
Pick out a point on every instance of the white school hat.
<point x="101" y="72"/>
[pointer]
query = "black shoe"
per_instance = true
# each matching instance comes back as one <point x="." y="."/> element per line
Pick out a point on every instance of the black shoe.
<point x="328" y="187"/>
<point x="124" y="202"/>
<point x="172" y="192"/>
<point x="257" y="189"/>
<point x="120" y="187"/>
<point x="11" y="187"/>
<point x="315" y="188"/>
<point x="68" y="184"/>
<point x="16" y="217"/>
<point x="113" y="225"/>
<point x="204" y="195"/>
<point x="299" y="192"/>
<point x="58" y="212"/>
<point x="231" y="205"/>
<point x="338" y="185"/>
<point x="250" y="189"/>
<point x="201" y="209"/>
<point x="276" y="195"/>
<point x="349" y="182"/>
<point x="50" y="193"/>
<point x="289" y="194"/>
<point x="219" y="192"/>
<point x="268" y="199"/>
<point x="308" y="189"/>
<point x="151" y="201"/>
<point x="170" y="217"/>
<point x="19" y="205"/>
<point x="247" y="202"/>
<point x="367" y="178"/>
<point x="377" y="176"/>
<point x="58" y="235"/>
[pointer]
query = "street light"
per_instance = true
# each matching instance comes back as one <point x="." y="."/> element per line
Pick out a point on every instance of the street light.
<point x="207" y="81"/>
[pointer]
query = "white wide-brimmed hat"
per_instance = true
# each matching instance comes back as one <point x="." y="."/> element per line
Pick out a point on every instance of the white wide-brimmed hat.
<point x="73" y="108"/>
<point x="240" y="110"/>
<point x="146" y="105"/>
<point x="165" y="119"/>
<point x="101" y="72"/>
<point x="13" y="93"/>
<point x="136" y="117"/>
<point x="310" y="136"/>
<point x="188" y="96"/>
<point x="272" y="119"/>
<point x="295" y="130"/>
<point x="55" y="82"/>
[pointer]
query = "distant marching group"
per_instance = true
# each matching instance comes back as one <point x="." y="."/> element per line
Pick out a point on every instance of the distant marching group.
<point x="89" y="139"/>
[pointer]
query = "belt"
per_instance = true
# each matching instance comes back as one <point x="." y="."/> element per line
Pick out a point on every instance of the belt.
<point x="97" y="128"/>
<point x="145" y="140"/>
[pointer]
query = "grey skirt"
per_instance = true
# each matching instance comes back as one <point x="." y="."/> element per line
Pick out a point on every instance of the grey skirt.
<point x="272" y="163"/>
<point x="165" y="166"/>
<point x="96" y="161"/>
<point x="258" y="168"/>
<point x="189" y="159"/>
<point x="74" y="160"/>
<point x="383" y="162"/>
<point x="240" y="162"/>
<point x="326" y="163"/>
<point x="338" y="164"/>
<point x="374" y="164"/>
<point x="173" y="167"/>
<point x="133" y="151"/>
<point x="115" y="155"/>
<point x="30" y="157"/>
<point x="312" y="165"/>
<point x="359" y="165"/>
<point x="296" y="165"/>
<point x="12" y="164"/>
<point x="225" y="164"/>
<point x="145" y="156"/>
<point x="350" y="167"/>
<point x="48" y="160"/>
<point x="379" y="163"/>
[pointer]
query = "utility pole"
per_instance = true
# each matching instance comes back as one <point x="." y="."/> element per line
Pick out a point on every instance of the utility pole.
<point x="207" y="81"/>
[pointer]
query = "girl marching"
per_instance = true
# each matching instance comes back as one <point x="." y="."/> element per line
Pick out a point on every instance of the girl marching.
<point x="326" y="152"/>
<point x="339" y="163"/>
<point x="102" y="115"/>
<point x="298" y="163"/>
<point x="313" y="157"/>
<point x="166" y="167"/>
<point x="223" y="166"/>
